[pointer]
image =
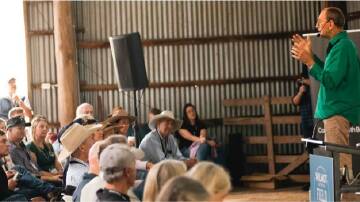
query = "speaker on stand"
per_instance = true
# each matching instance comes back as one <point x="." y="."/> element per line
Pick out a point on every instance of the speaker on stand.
<point x="129" y="65"/>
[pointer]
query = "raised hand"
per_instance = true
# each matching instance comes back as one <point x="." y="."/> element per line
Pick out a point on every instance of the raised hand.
<point x="301" y="50"/>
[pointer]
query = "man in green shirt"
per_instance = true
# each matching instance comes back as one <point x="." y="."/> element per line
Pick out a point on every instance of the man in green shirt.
<point x="338" y="102"/>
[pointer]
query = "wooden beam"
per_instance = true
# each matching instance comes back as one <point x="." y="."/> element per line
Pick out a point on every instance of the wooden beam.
<point x="286" y="119"/>
<point x="111" y="87"/>
<point x="294" y="164"/>
<point x="353" y="16"/>
<point x="49" y="32"/>
<point x="257" y="177"/>
<point x="65" y="55"/>
<point x="288" y="139"/>
<point x="198" y="40"/>
<point x="243" y="102"/>
<point x="281" y="100"/>
<point x="244" y="121"/>
<point x="300" y="178"/>
<point x="278" y="159"/>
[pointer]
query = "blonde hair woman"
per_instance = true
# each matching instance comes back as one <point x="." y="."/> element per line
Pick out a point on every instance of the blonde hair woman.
<point x="213" y="177"/>
<point x="159" y="174"/>
<point x="183" y="188"/>
<point x="43" y="151"/>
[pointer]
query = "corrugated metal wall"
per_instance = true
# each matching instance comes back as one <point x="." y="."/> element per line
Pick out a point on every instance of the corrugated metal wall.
<point x="176" y="20"/>
<point x="353" y="6"/>
<point x="42" y="59"/>
<point x="241" y="59"/>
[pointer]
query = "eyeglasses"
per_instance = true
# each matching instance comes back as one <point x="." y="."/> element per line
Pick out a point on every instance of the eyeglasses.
<point x="319" y="23"/>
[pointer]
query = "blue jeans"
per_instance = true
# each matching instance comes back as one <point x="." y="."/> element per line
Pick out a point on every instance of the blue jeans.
<point x="31" y="186"/>
<point x="16" y="197"/>
<point x="203" y="153"/>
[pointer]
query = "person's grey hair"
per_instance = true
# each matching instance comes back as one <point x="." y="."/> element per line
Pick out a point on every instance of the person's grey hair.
<point x="183" y="188"/>
<point x="115" y="173"/>
<point x="80" y="108"/>
<point x="336" y="15"/>
<point x="112" y="139"/>
<point x="15" y="110"/>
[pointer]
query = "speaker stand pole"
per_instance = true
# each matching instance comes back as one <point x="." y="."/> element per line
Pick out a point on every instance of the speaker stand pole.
<point x="135" y="126"/>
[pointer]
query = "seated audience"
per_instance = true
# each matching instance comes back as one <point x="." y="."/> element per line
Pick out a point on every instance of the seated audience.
<point x="19" y="154"/>
<point x="144" y="128"/>
<point x="182" y="188"/>
<point x="159" y="175"/>
<point x="160" y="143"/>
<point x="84" y="109"/>
<point x="213" y="177"/>
<point x="193" y="137"/>
<point x="121" y="121"/>
<point x="88" y="193"/>
<point x="16" y="180"/>
<point x="117" y="168"/>
<point x="7" y="183"/>
<point x="93" y="169"/>
<point x="76" y="142"/>
<point x="43" y="152"/>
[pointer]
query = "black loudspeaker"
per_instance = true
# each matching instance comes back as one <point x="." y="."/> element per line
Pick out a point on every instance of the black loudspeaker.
<point x="128" y="57"/>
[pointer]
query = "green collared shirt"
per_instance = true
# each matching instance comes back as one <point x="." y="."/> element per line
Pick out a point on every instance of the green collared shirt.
<point x="339" y="78"/>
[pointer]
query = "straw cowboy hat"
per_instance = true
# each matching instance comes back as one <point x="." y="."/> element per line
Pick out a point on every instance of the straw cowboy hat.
<point x="116" y="116"/>
<point x="165" y="115"/>
<point x="74" y="136"/>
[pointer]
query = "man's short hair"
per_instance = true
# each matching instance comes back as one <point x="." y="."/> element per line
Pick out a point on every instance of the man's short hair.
<point x="155" y="111"/>
<point x="336" y="15"/>
<point x="11" y="80"/>
<point x="15" y="110"/>
<point x="81" y="107"/>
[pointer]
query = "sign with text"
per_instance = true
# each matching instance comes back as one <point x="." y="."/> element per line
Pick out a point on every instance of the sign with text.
<point x="321" y="178"/>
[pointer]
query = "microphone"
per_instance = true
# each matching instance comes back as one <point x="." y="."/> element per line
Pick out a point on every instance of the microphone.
<point x="318" y="34"/>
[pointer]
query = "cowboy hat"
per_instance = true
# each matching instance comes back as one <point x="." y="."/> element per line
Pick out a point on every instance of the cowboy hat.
<point x="165" y="115"/>
<point x="74" y="136"/>
<point x="116" y="116"/>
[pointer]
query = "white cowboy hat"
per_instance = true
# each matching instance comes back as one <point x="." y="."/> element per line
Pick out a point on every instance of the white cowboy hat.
<point x="74" y="136"/>
<point x="165" y="115"/>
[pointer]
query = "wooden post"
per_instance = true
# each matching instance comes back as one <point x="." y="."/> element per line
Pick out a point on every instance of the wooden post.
<point x="28" y="50"/>
<point x="65" y="54"/>
<point x="269" y="135"/>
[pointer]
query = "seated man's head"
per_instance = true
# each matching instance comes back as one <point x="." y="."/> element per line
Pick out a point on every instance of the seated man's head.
<point x="121" y="119"/>
<point x="77" y="141"/>
<point x="85" y="109"/>
<point x="117" y="166"/>
<point x="16" y="111"/>
<point x="4" y="147"/>
<point x="165" y="123"/>
<point x="16" y="129"/>
<point x="98" y="148"/>
<point x="153" y="112"/>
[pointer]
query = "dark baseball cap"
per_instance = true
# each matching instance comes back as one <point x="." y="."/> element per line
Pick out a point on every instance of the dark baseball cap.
<point x="16" y="121"/>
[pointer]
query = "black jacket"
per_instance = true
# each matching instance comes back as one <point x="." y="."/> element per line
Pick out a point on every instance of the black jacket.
<point x="109" y="195"/>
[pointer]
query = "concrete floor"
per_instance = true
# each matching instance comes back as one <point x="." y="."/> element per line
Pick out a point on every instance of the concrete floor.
<point x="286" y="194"/>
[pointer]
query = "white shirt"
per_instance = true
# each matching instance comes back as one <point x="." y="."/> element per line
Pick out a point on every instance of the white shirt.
<point x="75" y="172"/>
<point x="88" y="193"/>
